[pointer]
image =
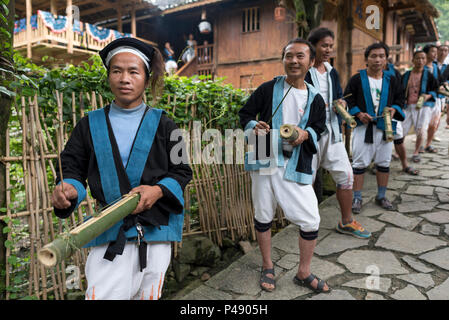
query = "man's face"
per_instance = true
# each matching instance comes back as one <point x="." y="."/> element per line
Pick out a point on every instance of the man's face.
<point x="377" y="59"/>
<point x="419" y="60"/>
<point x="127" y="78"/>
<point x="432" y="54"/>
<point x="442" y="53"/>
<point x="297" y="60"/>
<point x="324" y="49"/>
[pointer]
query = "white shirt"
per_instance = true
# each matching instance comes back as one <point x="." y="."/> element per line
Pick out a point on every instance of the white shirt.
<point x="376" y="88"/>
<point x="446" y="61"/>
<point x="324" y="91"/>
<point x="293" y="108"/>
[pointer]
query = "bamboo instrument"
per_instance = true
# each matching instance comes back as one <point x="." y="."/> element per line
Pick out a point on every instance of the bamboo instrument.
<point x="341" y="110"/>
<point x="288" y="132"/>
<point x="63" y="247"/>
<point x="444" y="92"/>
<point x="420" y="102"/>
<point x="388" y="126"/>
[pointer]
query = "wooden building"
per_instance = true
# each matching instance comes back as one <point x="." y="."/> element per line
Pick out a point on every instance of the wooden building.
<point x="69" y="31"/>
<point x="246" y="40"/>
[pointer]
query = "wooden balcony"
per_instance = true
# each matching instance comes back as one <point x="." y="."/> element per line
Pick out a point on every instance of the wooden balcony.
<point x="68" y="45"/>
<point x="201" y="64"/>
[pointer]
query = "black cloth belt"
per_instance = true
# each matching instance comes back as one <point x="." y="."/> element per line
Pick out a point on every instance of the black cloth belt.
<point x="116" y="247"/>
<point x="287" y="154"/>
<point x="369" y="133"/>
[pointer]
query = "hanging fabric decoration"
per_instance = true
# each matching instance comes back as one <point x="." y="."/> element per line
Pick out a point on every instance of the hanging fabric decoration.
<point x="21" y="25"/>
<point x="118" y="35"/>
<point x="56" y="24"/>
<point x="99" y="34"/>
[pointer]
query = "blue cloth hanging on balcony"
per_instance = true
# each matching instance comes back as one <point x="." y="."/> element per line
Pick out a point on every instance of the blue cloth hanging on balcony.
<point x="118" y="35"/>
<point x="56" y="24"/>
<point x="101" y="35"/>
<point x="21" y="25"/>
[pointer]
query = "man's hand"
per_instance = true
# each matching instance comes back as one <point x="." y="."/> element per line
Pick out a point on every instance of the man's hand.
<point x="392" y="112"/>
<point x="61" y="200"/>
<point x="427" y="96"/>
<point x="148" y="197"/>
<point x="343" y="101"/>
<point x="364" y="117"/>
<point x="261" y="128"/>
<point x="303" y="135"/>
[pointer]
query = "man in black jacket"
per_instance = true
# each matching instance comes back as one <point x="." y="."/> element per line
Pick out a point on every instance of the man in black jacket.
<point x="372" y="90"/>
<point x="125" y="148"/>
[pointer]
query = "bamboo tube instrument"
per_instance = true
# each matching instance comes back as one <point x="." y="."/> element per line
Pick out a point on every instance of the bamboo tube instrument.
<point x="388" y="125"/>
<point x="64" y="246"/>
<point x="444" y="92"/>
<point x="341" y="110"/>
<point x="420" y="102"/>
<point x="288" y="132"/>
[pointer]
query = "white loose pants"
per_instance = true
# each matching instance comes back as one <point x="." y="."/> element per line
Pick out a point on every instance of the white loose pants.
<point x="418" y="118"/>
<point x="298" y="201"/>
<point x="121" y="278"/>
<point x="333" y="158"/>
<point x="363" y="153"/>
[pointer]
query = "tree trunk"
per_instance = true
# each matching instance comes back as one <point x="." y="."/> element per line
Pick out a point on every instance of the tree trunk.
<point x="5" y="111"/>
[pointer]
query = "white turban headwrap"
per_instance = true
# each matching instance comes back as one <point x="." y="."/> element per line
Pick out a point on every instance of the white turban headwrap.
<point x="132" y="50"/>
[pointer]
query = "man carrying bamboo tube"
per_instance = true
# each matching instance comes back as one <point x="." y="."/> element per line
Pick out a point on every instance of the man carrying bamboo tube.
<point x="285" y="178"/>
<point x="120" y="149"/>
<point x="372" y="90"/>
<point x="417" y="84"/>
<point x="332" y="154"/>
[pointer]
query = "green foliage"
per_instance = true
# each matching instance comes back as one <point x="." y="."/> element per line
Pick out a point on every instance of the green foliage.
<point x="216" y="102"/>
<point x="216" y="105"/>
<point x="443" y="21"/>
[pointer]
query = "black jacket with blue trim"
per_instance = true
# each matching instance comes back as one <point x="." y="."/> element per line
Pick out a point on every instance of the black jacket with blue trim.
<point x="79" y="163"/>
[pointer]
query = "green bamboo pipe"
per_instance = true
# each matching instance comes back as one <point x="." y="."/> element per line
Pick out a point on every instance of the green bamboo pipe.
<point x="63" y="247"/>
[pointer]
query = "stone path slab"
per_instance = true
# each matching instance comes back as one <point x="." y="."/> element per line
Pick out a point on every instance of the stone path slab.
<point x="365" y="261"/>
<point x="420" y="190"/>
<point x="439" y="258"/>
<point x="401" y="220"/>
<point x="417" y="265"/>
<point x="337" y="243"/>
<point x="437" y="217"/>
<point x="382" y="285"/>
<point x="408" y="293"/>
<point x="440" y="292"/>
<point x="417" y="206"/>
<point x="423" y="280"/>
<point x="408" y="242"/>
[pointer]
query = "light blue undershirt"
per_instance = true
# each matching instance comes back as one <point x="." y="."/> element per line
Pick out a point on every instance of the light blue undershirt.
<point x="124" y="123"/>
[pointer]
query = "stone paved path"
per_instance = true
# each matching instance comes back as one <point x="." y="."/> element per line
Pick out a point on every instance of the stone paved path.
<point x="407" y="256"/>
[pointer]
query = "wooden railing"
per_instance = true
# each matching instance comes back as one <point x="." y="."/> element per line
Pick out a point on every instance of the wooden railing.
<point x="43" y="35"/>
<point x="205" y="58"/>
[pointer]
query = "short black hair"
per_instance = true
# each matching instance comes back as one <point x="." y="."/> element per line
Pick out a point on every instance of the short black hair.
<point x="300" y="40"/>
<point x="377" y="45"/>
<point x="416" y="52"/>
<point x="427" y="48"/>
<point x="319" y="33"/>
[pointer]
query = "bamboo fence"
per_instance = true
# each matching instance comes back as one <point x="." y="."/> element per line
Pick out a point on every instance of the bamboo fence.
<point x="217" y="200"/>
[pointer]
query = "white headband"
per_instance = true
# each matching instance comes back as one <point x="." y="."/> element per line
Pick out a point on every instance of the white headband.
<point x="132" y="50"/>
